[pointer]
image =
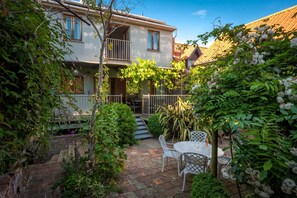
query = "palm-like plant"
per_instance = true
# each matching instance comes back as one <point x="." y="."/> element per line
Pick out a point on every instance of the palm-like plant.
<point x="178" y="120"/>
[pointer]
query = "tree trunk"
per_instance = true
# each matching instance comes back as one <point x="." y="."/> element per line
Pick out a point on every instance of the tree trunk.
<point x="97" y="101"/>
<point x="214" y="154"/>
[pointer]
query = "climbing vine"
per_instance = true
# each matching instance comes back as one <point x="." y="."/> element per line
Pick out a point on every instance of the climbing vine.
<point x="147" y="70"/>
<point x="31" y="70"/>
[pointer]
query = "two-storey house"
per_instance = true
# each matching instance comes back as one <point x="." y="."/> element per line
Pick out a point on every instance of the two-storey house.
<point x="135" y="36"/>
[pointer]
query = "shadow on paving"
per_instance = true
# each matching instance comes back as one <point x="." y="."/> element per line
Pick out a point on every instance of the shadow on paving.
<point x="142" y="176"/>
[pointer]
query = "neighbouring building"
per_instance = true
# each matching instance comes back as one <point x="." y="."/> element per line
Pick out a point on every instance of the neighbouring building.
<point x="187" y="53"/>
<point x="285" y="18"/>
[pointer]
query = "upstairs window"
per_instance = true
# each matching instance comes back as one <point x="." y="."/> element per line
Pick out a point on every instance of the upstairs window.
<point x="73" y="28"/>
<point x="153" y="40"/>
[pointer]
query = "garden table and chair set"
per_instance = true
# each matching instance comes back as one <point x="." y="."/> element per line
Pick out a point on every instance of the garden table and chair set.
<point x="195" y="155"/>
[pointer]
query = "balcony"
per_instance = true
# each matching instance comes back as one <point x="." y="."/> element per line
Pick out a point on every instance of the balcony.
<point x="80" y="105"/>
<point x="118" y="50"/>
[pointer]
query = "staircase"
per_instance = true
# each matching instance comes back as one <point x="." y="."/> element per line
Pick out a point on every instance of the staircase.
<point x="141" y="131"/>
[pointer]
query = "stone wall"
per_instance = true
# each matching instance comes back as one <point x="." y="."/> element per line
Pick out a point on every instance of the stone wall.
<point x="14" y="185"/>
<point x="56" y="144"/>
<point x="37" y="179"/>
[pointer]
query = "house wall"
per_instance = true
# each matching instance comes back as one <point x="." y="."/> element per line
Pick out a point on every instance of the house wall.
<point x="138" y="35"/>
<point x="87" y="50"/>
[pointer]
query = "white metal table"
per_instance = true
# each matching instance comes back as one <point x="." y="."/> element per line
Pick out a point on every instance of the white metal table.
<point x="196" y="147"/>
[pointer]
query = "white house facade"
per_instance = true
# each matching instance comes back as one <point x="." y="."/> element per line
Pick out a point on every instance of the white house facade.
<point x="136" y="36"/>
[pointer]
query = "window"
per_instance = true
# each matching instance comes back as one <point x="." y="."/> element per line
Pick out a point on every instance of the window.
<point x="73" y="28"/>
<point x="76" y="85"/>
<point x="153" y="40"/>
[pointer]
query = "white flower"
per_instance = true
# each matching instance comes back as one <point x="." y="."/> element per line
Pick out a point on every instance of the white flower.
<point x="294" y="170"/>
<point x="255" y="174"/>
<point x="270" y="32"/>
<point x="293" y="42"/>
<point x="212" y="85"/>
<point x="251" y="35"/>
<point x="243" y="38"/>
<point x="249" y="170"/>
<point x="264" y="194"/>
<point x="293" y="97"/>
<point x="280" y="100"/>
<point x="225" y="173"/>
<point x="282" y="106"/>
<point x="262" y="29"/>
<point x="195" y="87"/>
<point x="239" y="35"/>
<point x="264" y="37"/>
<point x="291" y="164"/>
<point x="289" y="92"/>
<point x="238" y="50"/>
<point x="288" y="105"/>
<point x="289" y="183"/>
<point x="236" y="61"/>
<point x="281" y="94"/>
<point x="293" y="151"/>
<point x="261" y="61"/>
<point x="294" y="190"/>
<point x="267" y="189"/>
<point x="286" y="190"/>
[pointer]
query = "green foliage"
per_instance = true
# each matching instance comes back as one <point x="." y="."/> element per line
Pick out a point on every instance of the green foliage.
<point x="31" y="68"/>
<point x="83" y="182"/>
<point x="109" y="156"/>
<point x="145" y="70"/>
<point x="252" y="87"/>
<point x="206" y="185"/>
<point x="178" y="120"/>
<point x="154" y="125"/>
<point x="126" y="124"/>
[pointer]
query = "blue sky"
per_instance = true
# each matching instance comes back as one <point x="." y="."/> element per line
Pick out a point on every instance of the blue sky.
<point x="194" y="17"/>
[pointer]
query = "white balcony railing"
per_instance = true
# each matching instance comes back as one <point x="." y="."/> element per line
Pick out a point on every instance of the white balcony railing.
<point x="81" y="104"/>
<point x="150" y="103"/>
<point x="117" y="49"/>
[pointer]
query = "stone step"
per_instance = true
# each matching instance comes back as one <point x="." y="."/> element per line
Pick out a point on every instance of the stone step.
<point x="142" y="127"/>
<point x="63" y="155"/>
<point x="142" y="131"/>
<point x="143" y="136"/>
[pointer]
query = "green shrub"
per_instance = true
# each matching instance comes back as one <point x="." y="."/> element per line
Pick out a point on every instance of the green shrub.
<point x="205" y="185"/>
<point x="31" y="58"/>
<point x="154" y="125"/>
<point x="109" y="156"/>
<point x="81" y="182"/>
<point x="126" y="123"/>
<point x="178" y="120"/>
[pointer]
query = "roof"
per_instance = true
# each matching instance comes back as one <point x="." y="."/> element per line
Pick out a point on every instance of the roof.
<point x="283" y="19"/>
<point x="128" y="18"/>
<point x="185" y="51"/>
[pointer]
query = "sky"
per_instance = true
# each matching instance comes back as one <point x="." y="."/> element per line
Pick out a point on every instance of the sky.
<point x="194" y="17"/>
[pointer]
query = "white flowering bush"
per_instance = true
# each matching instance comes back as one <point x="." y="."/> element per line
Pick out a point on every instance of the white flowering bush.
<point x="253" y="87"/>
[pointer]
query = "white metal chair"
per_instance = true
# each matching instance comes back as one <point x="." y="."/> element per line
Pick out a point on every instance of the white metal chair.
<point x="194" y="163"/>
<point x="223" y="161"/>
<point x="169" y="152"/>
<point x="198" y="136"/>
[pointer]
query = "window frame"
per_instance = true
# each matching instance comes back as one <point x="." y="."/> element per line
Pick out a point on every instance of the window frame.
<point x="72" y="27"/>
<point x="72" y="87"/>
<point x="153" y="40"/>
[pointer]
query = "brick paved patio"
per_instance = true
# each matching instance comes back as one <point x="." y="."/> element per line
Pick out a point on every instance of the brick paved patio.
<point x="142" y="176"/>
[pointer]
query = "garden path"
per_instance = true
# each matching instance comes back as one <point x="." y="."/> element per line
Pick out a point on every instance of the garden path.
<point x="142" y="176"/>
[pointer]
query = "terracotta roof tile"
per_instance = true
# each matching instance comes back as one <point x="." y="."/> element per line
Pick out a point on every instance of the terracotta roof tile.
<point x="283" y="19"/>
<point x="184" y="51"/>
